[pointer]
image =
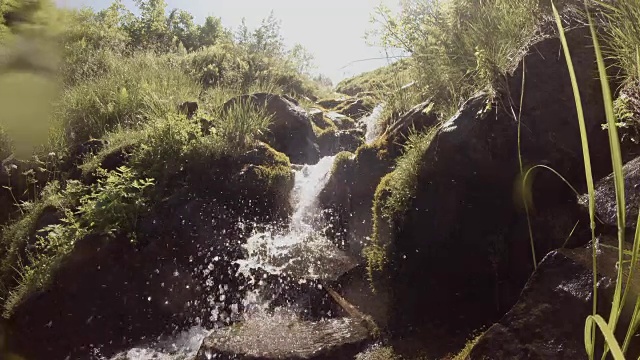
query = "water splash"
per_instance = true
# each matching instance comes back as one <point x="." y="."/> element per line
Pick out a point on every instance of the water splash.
<point x="371" y="121"/>
<point x="302" y="251"/>
<point x="182" y="347"/>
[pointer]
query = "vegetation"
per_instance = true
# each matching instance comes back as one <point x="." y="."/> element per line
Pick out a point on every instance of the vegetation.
<point x="372" y="81"/>
<point x="122" y="78"/>
<point x="608" y="329"/>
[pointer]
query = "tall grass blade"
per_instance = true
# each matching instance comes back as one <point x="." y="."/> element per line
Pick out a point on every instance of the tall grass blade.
<point x="635" y="318"/>
<point x="616" y="159"/>
<point x="587" y="169"/>
<point x="589" y="328"/>
<point x="524" y="184"/>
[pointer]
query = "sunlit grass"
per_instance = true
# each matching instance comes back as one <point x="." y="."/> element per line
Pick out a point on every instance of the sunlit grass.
<point x="608" y="329"/>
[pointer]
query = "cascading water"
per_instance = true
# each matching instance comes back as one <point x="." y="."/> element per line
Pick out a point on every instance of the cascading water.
<point x="301" y="251"/>
<point x="371" y="121"/>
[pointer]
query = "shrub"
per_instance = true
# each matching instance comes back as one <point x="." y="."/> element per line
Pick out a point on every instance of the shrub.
<point x="134" y="90"/>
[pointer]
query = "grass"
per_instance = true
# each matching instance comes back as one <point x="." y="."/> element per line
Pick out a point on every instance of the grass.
<point x="623" y="36"/>
<point x="371" y="81"/>
<point x="135" y="90"/>
<point x="608" y="329"/>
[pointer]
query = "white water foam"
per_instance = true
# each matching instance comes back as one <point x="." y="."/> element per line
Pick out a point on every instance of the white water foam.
<point x="302" y="251"/>
<point x="371" y="121"/>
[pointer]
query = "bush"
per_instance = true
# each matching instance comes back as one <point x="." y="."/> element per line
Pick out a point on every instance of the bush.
<point x="135" y="90"/>
<point x="6" y="148"/>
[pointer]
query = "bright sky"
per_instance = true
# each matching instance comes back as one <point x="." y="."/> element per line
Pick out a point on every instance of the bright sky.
<point x="332" y="30"/>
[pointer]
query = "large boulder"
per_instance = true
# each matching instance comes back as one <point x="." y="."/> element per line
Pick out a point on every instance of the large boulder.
<point x="460" y="232"/>
<point x="547" y="320"/>
<point x="285" y="337"/>
<point x="332" y="141"/>
<point x="290" y="131"/>
<point x="109" y="294"/>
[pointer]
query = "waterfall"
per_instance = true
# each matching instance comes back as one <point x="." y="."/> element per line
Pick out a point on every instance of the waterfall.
<point x="301" y="251"/>
<point x="371" y="121"/>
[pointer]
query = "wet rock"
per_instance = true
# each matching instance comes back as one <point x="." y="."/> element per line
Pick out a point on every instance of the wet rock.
<point x="290" y="131"/>
<point x="547" y="320"/>
<point x="112" y="293"/>
<point x="283" y="336"/>
<point x="342" y="122"/>
<point x="334" y="141"/>
<point x="348" y="196"/>
<point x="605" y="196"/>
<point x="463" y="215"/>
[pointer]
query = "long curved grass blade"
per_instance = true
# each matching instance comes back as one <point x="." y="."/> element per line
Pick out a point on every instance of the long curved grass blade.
<point x="587" y="167"/>
<point x="610" y="339"/>
<point x="635" y="319"/>
<point x="616" y="160"/>
<point x="524" y="200"/>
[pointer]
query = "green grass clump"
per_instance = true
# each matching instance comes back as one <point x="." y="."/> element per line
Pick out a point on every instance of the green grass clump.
<point x="393" y="197"/>
<point x="371" y="81"/>
<point x="136" y="89"/>
<point x="622" y="36"/>
<point x="460" y="47"/>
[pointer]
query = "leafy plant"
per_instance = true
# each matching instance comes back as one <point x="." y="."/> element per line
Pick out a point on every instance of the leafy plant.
<point x="109" y="207"/>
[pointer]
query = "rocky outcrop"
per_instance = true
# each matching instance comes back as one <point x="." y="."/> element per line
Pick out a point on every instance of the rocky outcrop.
<point x="463" y="215"/>
<point x="546" y="321"/>
<point x="290" y="131"/>
<point x="342" y="122"/>
<point x="605" y="196"/>
<point x="286" y="338"/>
<point x="112" y="293"/>
<point x="354" y="109"/>
<point x="333" y="141"/>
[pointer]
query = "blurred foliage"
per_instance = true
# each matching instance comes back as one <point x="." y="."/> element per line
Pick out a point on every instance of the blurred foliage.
<point x="98" y="70"/>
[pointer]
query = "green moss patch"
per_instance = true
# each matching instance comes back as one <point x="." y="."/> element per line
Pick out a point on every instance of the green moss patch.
<point x="393" y="197"/>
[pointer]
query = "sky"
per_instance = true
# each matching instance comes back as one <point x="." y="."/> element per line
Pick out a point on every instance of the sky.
<point x="332" y="30"/>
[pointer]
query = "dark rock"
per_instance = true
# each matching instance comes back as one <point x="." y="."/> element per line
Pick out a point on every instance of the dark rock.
<point x="548" y="320"/>
<point x="318" y="118"/>
<point x="605" y="196"/>
<point x="333" y="141"/>
<point x="355" y="109"/>
<point x="188" y="108"/>
<point x="418" y="119"/>
<point x="342" y="122"/>
<point x="290" y="131"/>
<point x="78" y="155"/>
<point x="463" y="237"/>
<point x="348" y="196"/>
<point x="110" y="294"/>
<point x="282" y="336"/>
<point x="331" y="103"/>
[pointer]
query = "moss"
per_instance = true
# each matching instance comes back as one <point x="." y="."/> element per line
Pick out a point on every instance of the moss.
<point x="466" y="351"/>
<point x="393" y="197"/>
<point x="342" y="161"/>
